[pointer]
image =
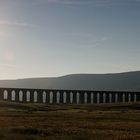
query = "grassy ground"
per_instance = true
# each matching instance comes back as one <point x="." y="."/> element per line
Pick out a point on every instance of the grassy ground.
<point x="69" y="122"/>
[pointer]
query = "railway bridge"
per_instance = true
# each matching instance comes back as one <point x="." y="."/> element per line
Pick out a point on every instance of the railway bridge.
<point x="51" y="96"/>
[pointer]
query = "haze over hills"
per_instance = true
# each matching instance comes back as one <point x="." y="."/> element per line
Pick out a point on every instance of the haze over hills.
<point x="128" y="81"/>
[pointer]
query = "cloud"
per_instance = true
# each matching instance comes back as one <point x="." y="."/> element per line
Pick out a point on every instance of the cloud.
<point x="104" y="39"/>
<point x="96" y="3"/>
<point x="77" y="2"/>
<point x="8" y="65"/>
<point x="84" y="40"/>
<point x="9" y="56"/>
<point x="70" y="2"/>
<point x="15" y="23"/>
<point x="74" y="2"/>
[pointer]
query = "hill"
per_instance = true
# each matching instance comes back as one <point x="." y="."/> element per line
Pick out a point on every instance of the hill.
<point x="127" y="81"/>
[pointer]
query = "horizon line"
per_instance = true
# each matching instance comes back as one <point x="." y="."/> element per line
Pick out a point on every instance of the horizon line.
<point x="70" y="74"/>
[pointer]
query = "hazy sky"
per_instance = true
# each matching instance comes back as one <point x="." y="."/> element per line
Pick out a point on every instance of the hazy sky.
<point x="40" y="38"/>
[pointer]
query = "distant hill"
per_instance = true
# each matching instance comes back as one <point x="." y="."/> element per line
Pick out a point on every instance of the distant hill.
<point x="128" y="81"/>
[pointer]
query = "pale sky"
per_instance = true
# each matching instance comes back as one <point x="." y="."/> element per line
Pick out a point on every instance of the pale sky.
<point x="48" y="38"/>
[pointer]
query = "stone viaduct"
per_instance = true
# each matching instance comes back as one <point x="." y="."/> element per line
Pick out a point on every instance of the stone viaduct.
<point x="49" y="96"/>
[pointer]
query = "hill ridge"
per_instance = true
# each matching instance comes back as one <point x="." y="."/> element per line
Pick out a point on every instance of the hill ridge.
<point x="126" y="81"/>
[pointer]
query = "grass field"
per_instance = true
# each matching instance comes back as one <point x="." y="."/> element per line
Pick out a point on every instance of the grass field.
<point x="69" y="122"/>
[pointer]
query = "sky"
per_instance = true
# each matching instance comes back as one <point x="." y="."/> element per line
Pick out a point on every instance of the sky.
<point x="50" y="38"/>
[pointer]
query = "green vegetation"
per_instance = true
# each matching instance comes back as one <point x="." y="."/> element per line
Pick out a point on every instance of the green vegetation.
<point x="20" y="121"/>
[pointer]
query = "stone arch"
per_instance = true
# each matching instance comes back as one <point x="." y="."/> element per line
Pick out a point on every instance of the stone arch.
<point x="71" y="97"/>
<point x="129" y="97"/>
<point x="64" y="97"/>
<point x="110" y="98"/>
<point x="35" y="96"/>
<point x="58" y="97"/>
<point x="44" y="97"/>
<point x="116" y="97"/>
<point x="28" y="96"/>
<point x="5" y="95"/>
<point x="13" y="95"/>
<point x="85" y="98"/>
<point x="20" y="95"/>
<point x="51" y="97"/>
<point x="77" y="97"/>
<point x="104" y="97"/>
<point x="135" y="97"/>
<point x="91" y="98"/>
<point x="123" y="97"/>
<point x="98" y="98"/>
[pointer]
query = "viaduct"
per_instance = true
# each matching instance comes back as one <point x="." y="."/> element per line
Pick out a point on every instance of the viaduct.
<point x="49" y="96"/>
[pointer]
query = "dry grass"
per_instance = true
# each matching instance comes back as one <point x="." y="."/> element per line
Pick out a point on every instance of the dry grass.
<point x="69" y="122"/>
